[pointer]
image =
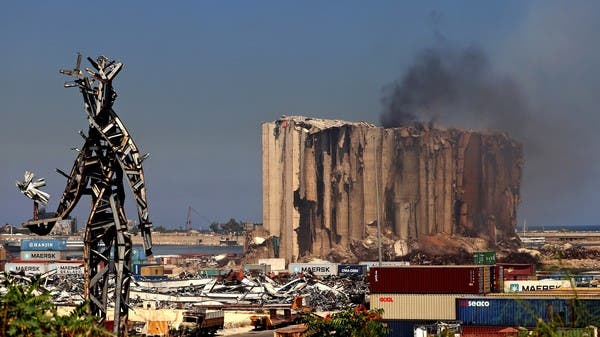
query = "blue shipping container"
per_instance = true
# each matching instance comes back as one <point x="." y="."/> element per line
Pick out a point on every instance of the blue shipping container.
<point x="351" y="270"/>
<point x="487" y="311"/>
<point x="586" y="312"/>
<point x="150" y="278"/>
<point x="44" y="244"/>
<point x="402" y="328"/>
<point x="138" y="254"/>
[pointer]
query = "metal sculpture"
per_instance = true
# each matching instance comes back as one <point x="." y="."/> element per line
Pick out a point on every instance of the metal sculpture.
<point x="107" y="156"/>
<point x="31" y="190"/>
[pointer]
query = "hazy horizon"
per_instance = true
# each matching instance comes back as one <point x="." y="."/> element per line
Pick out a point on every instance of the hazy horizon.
<point x="200" y="77"/>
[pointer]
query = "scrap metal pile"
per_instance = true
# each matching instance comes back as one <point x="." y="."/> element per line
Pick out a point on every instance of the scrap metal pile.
<point x="63" y="289"/>
<point x="319" y="294"/>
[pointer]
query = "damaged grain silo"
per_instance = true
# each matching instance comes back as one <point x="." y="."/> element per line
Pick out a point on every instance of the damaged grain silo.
<point x="320" y="180"/>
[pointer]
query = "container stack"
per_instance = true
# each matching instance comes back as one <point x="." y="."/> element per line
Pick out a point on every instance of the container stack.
<point x="422" y="295"/>
<point x="39" y="256"/>
<point x="43" y="249"/>
<point x="477" y="298"/>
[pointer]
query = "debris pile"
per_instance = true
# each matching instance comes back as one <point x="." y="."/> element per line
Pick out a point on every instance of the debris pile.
<point x="237" y="288"/>
<point x="566" y="256"/>
<point x="63" y="289"/>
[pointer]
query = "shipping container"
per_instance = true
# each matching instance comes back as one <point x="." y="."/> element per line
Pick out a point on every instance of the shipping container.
<point x="484" y="258"/>
<point x="26" y="267"/>
<point x="580" y="279"/>
<point x="209" y="272"/>
<point x="498" y="279"/>
<point x="150" y="278"/>
<point x="3" y="253"/>
<point x="416" y="306"/>
<point x="404" y="328"/>
<point x="136" y="269"/>
<point x="538" y="285"/>
<point x="370" y="264"/>
<point x="152" y="270"/>
<point x="318" y="269"/>
<point x="586" y="312"/>
<point x="502" y="331"/>
<point x="257" y="268"/>
<point x="431" y="279"/>
<point x="438" y="329"/>
<point x="573" y="332"/>
<point x="489" y="331"/>
<point x="510" y="311"/>
<point x="67" y="268"/>
<point x="168" y="259"/>
<point x="277" y="264"/>
<point x="352" y="270"/>
<point x="41" y="255"/>
<point x="44" y="244"/>
<point x="517" y="271"/>
<point x="138" y="254"/>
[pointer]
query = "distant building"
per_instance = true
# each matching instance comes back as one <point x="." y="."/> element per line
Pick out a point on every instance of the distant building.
<point x="65" y="227"/>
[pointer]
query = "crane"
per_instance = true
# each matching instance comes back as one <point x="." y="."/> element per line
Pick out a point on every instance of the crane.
<point x="188" y="223"/>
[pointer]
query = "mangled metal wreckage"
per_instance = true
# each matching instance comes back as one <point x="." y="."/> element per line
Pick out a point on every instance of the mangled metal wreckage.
<point x="107" y="156"/>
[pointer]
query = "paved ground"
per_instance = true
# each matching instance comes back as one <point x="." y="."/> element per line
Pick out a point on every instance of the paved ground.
<point x="245" y="332"/>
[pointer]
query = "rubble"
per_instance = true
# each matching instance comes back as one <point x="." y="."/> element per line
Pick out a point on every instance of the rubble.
<point x="237" y="288"/>
<point x="552" y="256"/>
<point x="320" y="179"/>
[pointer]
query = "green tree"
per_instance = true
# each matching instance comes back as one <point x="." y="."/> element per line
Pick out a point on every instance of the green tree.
<point x="27" y="310"/>
<point x="215" y="227"/>
<point x="351" y="322"/>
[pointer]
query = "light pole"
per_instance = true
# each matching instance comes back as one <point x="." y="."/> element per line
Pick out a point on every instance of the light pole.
<point x="377" y="201"/>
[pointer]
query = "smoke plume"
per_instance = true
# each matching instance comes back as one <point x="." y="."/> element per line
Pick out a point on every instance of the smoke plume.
<point x="555" y="121"/>
<point x="456" y="88"/>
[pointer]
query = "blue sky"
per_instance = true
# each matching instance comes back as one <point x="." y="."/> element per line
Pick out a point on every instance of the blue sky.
<point x="200" y="77"/>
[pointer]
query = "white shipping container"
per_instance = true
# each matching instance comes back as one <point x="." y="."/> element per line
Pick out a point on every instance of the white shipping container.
<point x="370" y="264"/>
<point x="277" y="264"/>
<point x="26" y="267"/>
<point x="535" y="285"/>
<point x="318" y="269"/>
<point x="41" y="255"/>
<point x="67" y="268"/>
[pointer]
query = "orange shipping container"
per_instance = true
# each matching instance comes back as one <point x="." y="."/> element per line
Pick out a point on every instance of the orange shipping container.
<point x="152" y="270"/>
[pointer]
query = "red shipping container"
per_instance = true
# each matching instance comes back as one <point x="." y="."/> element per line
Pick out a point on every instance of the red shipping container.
<point x="431" y="279"/>
<point x="488" y="331"/>
<point x="517" y="271"/>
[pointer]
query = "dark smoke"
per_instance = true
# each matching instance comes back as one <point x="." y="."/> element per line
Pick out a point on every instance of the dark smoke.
<point x="552" y="119"/>
<point x="456" y="88"/>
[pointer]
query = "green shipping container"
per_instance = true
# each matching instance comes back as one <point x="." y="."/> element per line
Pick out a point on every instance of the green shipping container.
<point x="484" y="258"/>
<point x="209" y="272"/>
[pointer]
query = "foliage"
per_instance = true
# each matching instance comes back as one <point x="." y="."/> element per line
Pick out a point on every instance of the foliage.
<point x="231" y="226"/>
<point x="28" y="311"/>
<point x="352" y="322"/>
<point x="215" y="227"/>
